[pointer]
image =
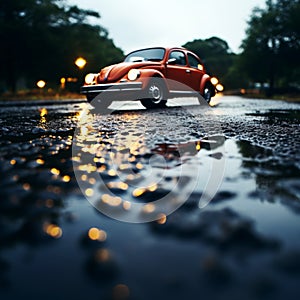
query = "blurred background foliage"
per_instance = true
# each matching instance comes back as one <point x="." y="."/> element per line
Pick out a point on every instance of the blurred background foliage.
<point x="271" y="49"/>
<point x="40" y="39"/>
<point x="269" y="53"/>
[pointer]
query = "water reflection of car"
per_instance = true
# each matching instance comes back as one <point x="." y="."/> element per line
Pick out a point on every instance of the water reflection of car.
<point x="152" y="76"/>
<point x="188" y="149"/>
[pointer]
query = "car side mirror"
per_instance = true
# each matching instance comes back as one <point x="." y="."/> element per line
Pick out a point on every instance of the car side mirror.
<point x="171" y="61"/>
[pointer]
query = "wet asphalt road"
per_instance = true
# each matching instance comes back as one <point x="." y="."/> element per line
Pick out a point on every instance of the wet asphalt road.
<point x="230" y="174"/>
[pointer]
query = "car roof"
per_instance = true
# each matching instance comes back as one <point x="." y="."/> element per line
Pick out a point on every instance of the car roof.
<point x="167" y="48"/>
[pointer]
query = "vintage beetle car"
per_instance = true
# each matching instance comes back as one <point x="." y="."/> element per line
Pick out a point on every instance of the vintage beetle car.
<point x="152" y="76"/>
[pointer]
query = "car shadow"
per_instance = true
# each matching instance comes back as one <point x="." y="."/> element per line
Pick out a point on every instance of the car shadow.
<point x="136" y="106"/>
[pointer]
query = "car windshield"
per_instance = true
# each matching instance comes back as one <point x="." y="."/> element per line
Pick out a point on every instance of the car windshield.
<point x="153" y="54"/>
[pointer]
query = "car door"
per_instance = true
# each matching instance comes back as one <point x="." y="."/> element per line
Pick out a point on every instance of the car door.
<point x="196" y="71"/>
<point x="177" y="70"/>
<point x="185" y="69"/>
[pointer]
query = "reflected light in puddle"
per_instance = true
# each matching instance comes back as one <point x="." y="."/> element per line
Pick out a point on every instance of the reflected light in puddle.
<point x="55" y="171"/>
<point x="149" y="208"/>
<point x="138" y="192"/>
<point x="40" y="161"/>
<point x="96" y="234"/>
<point x="13" y="162"/>
<point x="162" y="219"/>
<point x="152" y="187"/>
<point x="53" y="230"/>
<point x="102" y="255"/>
<point x="26" y="186"/>
<point x="121" y="291"/>
<point x="111" y="201"/>
<point x="43" y="112"/>
<point x="89" y="192"/>
<point x="66" y="178"/>
<point x="118" y="185"/>
<point x="126" y="205"/>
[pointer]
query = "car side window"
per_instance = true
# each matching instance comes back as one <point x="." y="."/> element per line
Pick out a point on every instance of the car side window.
<point x="179" y="56"/>
<point x="193" y="61"/>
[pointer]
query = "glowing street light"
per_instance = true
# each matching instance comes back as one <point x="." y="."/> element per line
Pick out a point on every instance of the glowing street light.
<point x="41" y="84"/>
<point x="80" y="62"/>
<point x="62" y="83"/>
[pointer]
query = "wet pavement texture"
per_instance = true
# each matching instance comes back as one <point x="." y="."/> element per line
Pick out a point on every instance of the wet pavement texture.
<point x="56" y="242"/>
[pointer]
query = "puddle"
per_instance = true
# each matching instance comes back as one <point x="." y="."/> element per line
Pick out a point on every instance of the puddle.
<point x="267" y="190"/>
<point x="245" y="241"/>
<point x="128" y="176"/>
<point x="274" y="115"/>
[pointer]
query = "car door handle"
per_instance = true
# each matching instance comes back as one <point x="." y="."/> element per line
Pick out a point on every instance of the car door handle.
<point x="188" y="71"/>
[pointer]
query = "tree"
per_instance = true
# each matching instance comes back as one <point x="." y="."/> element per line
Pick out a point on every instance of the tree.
<point x="216" y="55"/>
<point x="272" y="45"/>
<point x="41" y="39"/>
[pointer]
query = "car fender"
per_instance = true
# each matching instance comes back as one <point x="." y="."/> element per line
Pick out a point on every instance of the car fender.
<point x="204" y="80"/>
<point x="147" y="74"/>
<point x="151" y="73"/>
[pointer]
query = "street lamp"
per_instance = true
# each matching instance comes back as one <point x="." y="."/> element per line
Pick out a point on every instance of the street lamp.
<point x="63" y="83"/>
<point x="41" y="84"/>
<point x="80" y="62"/>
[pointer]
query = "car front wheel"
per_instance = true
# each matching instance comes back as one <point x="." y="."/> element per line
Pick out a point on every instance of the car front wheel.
<point x="156" y="94"/>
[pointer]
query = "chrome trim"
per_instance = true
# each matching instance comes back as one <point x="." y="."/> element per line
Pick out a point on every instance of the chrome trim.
<point x="184" y="92"/>
<point x="175" y="94"/>
<point x="112" y="88"/>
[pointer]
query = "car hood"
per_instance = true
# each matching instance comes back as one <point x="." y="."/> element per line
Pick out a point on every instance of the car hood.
<point x="116" y="72"/>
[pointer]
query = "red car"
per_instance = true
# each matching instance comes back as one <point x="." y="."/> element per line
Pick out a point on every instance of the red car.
<point x="152" y="76"/>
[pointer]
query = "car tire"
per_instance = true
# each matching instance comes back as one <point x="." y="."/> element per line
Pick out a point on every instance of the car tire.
<point x="156" y="94"/>
<point x="208" y="93"/>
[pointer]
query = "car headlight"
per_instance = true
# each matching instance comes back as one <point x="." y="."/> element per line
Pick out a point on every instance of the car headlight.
<point x="90" y="78"/>
<point x="133" y="74"/>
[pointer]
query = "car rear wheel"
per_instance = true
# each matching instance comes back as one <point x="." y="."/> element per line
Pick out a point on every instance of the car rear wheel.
<point x="156" y="94"/>
<point x="208" y="93"/>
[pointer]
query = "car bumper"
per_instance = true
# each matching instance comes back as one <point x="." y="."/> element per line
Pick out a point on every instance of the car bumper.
<point x="114" y="90"/>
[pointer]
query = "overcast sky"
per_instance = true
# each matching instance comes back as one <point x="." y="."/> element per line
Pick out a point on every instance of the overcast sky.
<point x="134" y="24"/>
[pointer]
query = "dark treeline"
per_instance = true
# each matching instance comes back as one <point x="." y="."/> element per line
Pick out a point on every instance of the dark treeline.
<point x="217" y="58"/>
<point x="271" y="49"/>
<point x="269" y="53"/>
<point x="40" y="39"/>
